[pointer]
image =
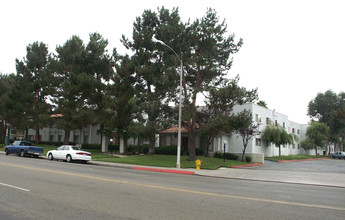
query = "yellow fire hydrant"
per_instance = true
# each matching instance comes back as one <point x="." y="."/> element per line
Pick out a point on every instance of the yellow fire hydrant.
<point x="198" y="164"/>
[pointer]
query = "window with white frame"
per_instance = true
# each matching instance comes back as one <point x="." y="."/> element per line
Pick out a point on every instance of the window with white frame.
<point x="268" y="121"/>
<point x="258" y="142"/>
<point x="257" y="118"/>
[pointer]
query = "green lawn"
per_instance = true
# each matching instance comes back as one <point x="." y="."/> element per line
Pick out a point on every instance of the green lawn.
<point x="156" y="160"/>
<point x="294" y="157"/>
<point x="170" y="161"/>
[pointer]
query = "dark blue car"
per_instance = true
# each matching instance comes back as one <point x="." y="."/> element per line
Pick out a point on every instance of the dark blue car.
<point x="23" y="148"/>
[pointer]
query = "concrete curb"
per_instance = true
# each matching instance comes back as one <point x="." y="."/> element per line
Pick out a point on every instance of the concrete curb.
<point x="143" y="168"/>
<point x="288" y="161"/>
<point x="164" y="170"/>
<point x="248" y="165"/>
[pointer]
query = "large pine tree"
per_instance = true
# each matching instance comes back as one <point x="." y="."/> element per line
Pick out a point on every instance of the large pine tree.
<point x="34" y="84"/>
<point x="70" y="96"/>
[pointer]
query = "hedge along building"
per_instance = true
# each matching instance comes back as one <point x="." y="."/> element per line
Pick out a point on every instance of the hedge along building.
<point x="256" y="147"/>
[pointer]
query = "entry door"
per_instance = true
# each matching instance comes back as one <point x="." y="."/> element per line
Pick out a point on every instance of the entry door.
<point x="184" y="143"/>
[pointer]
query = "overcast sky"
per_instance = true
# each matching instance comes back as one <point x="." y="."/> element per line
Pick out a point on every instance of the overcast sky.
<point x="292" y="49"/>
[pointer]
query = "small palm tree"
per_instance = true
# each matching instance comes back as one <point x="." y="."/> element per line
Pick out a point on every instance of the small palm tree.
<point x="278" y="136"/>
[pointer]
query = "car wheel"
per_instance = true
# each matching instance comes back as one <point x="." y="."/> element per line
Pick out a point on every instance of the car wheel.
<point x="22" y="153"/>
<point x="69" y="158"/>
<point x="7" y="152"/>
<point x="50" y="157"/>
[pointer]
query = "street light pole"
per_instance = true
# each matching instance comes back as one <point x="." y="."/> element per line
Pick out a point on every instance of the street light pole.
<point x="224" y="150"/>
<point x="178" y="163"/>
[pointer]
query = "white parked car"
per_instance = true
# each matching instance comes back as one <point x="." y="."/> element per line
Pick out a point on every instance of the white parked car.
<point x="69" y="153"/>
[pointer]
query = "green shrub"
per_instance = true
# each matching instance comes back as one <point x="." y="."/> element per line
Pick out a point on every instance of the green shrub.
<point x="228" y="156"/>
<point x="248" y="159"/>
<point x="218" y="155"/>
<point x="166" y="150"/>
<point x="91" y="146"/>
<point x="132" y="149"/>
<point x="51" y="143"/>
<point x="199" y="152"/>
<point x="113" y="147"/>
<point x="172" y="150"/>
<point x="145" y="149"/>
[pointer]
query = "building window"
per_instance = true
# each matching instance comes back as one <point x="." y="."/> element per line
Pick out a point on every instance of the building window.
<point x="31" y="137"/>
<point x="257" y="118"/>
<point x="284" y="125"/>
<point x="276" y="123"/>
<point x="293" y="130"/>
<point x="268" y="121"/>
<point x="258" y="142"/>
<point x="76" y="138"/>
<point x="297" y="131"/>
<point x="51" y="137"/>
<point x="86" y="139"/>
<point x="59" y="138"/>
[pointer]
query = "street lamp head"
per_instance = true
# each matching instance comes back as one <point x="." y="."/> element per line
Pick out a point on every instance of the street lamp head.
<point x="154" y="39"/>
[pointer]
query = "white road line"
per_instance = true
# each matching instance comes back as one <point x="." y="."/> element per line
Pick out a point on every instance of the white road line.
<point x="16" y="187"/>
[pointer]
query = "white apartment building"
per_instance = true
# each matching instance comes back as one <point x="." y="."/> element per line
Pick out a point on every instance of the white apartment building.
<point x="265" y="116"/>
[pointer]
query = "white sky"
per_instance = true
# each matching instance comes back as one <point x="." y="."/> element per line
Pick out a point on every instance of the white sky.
<point x="292" y="49"/>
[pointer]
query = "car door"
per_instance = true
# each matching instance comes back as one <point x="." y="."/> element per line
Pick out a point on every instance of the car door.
<point x="57" y="154"/>
<point x="64" y="152"/>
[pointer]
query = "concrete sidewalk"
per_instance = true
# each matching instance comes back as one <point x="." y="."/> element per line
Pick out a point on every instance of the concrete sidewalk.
<point x="308" y="178"/>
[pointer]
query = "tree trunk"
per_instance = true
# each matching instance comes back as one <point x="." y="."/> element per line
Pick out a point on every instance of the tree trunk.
<point x="191" y="145"/>
<point x="207" y="148"/>
<point x="245" y="143"/>
<point x="67" y="135"/>
<point x="279" y="150"/>
<point x="192" y="134"/>
<point x="243" y="153"/>
<point x="208" y="143"/>
<point x="125" y="142"/>
<point x="152" y="142"/>
<point x="101" y="128"/>
<point x="37" y="141"/>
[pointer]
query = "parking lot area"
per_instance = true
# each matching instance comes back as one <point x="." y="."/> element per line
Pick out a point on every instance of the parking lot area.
<point x="323" y="165"/>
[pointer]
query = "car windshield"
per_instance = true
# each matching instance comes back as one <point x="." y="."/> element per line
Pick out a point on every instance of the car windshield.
<point x="16" y="143"/>
<point x="76" y="148"/>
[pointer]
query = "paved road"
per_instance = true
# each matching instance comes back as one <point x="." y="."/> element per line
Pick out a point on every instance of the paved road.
<point x="57" y="190"/>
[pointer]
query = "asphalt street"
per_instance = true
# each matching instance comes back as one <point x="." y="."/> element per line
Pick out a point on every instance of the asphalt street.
<point x="41" y="189"/>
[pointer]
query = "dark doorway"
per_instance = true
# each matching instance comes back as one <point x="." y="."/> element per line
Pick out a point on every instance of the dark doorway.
<point x="184" y="143"/>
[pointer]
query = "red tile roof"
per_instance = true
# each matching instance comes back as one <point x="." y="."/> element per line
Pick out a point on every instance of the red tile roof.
<point x="173" y="130"/>
<point x="56" y="116"/>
